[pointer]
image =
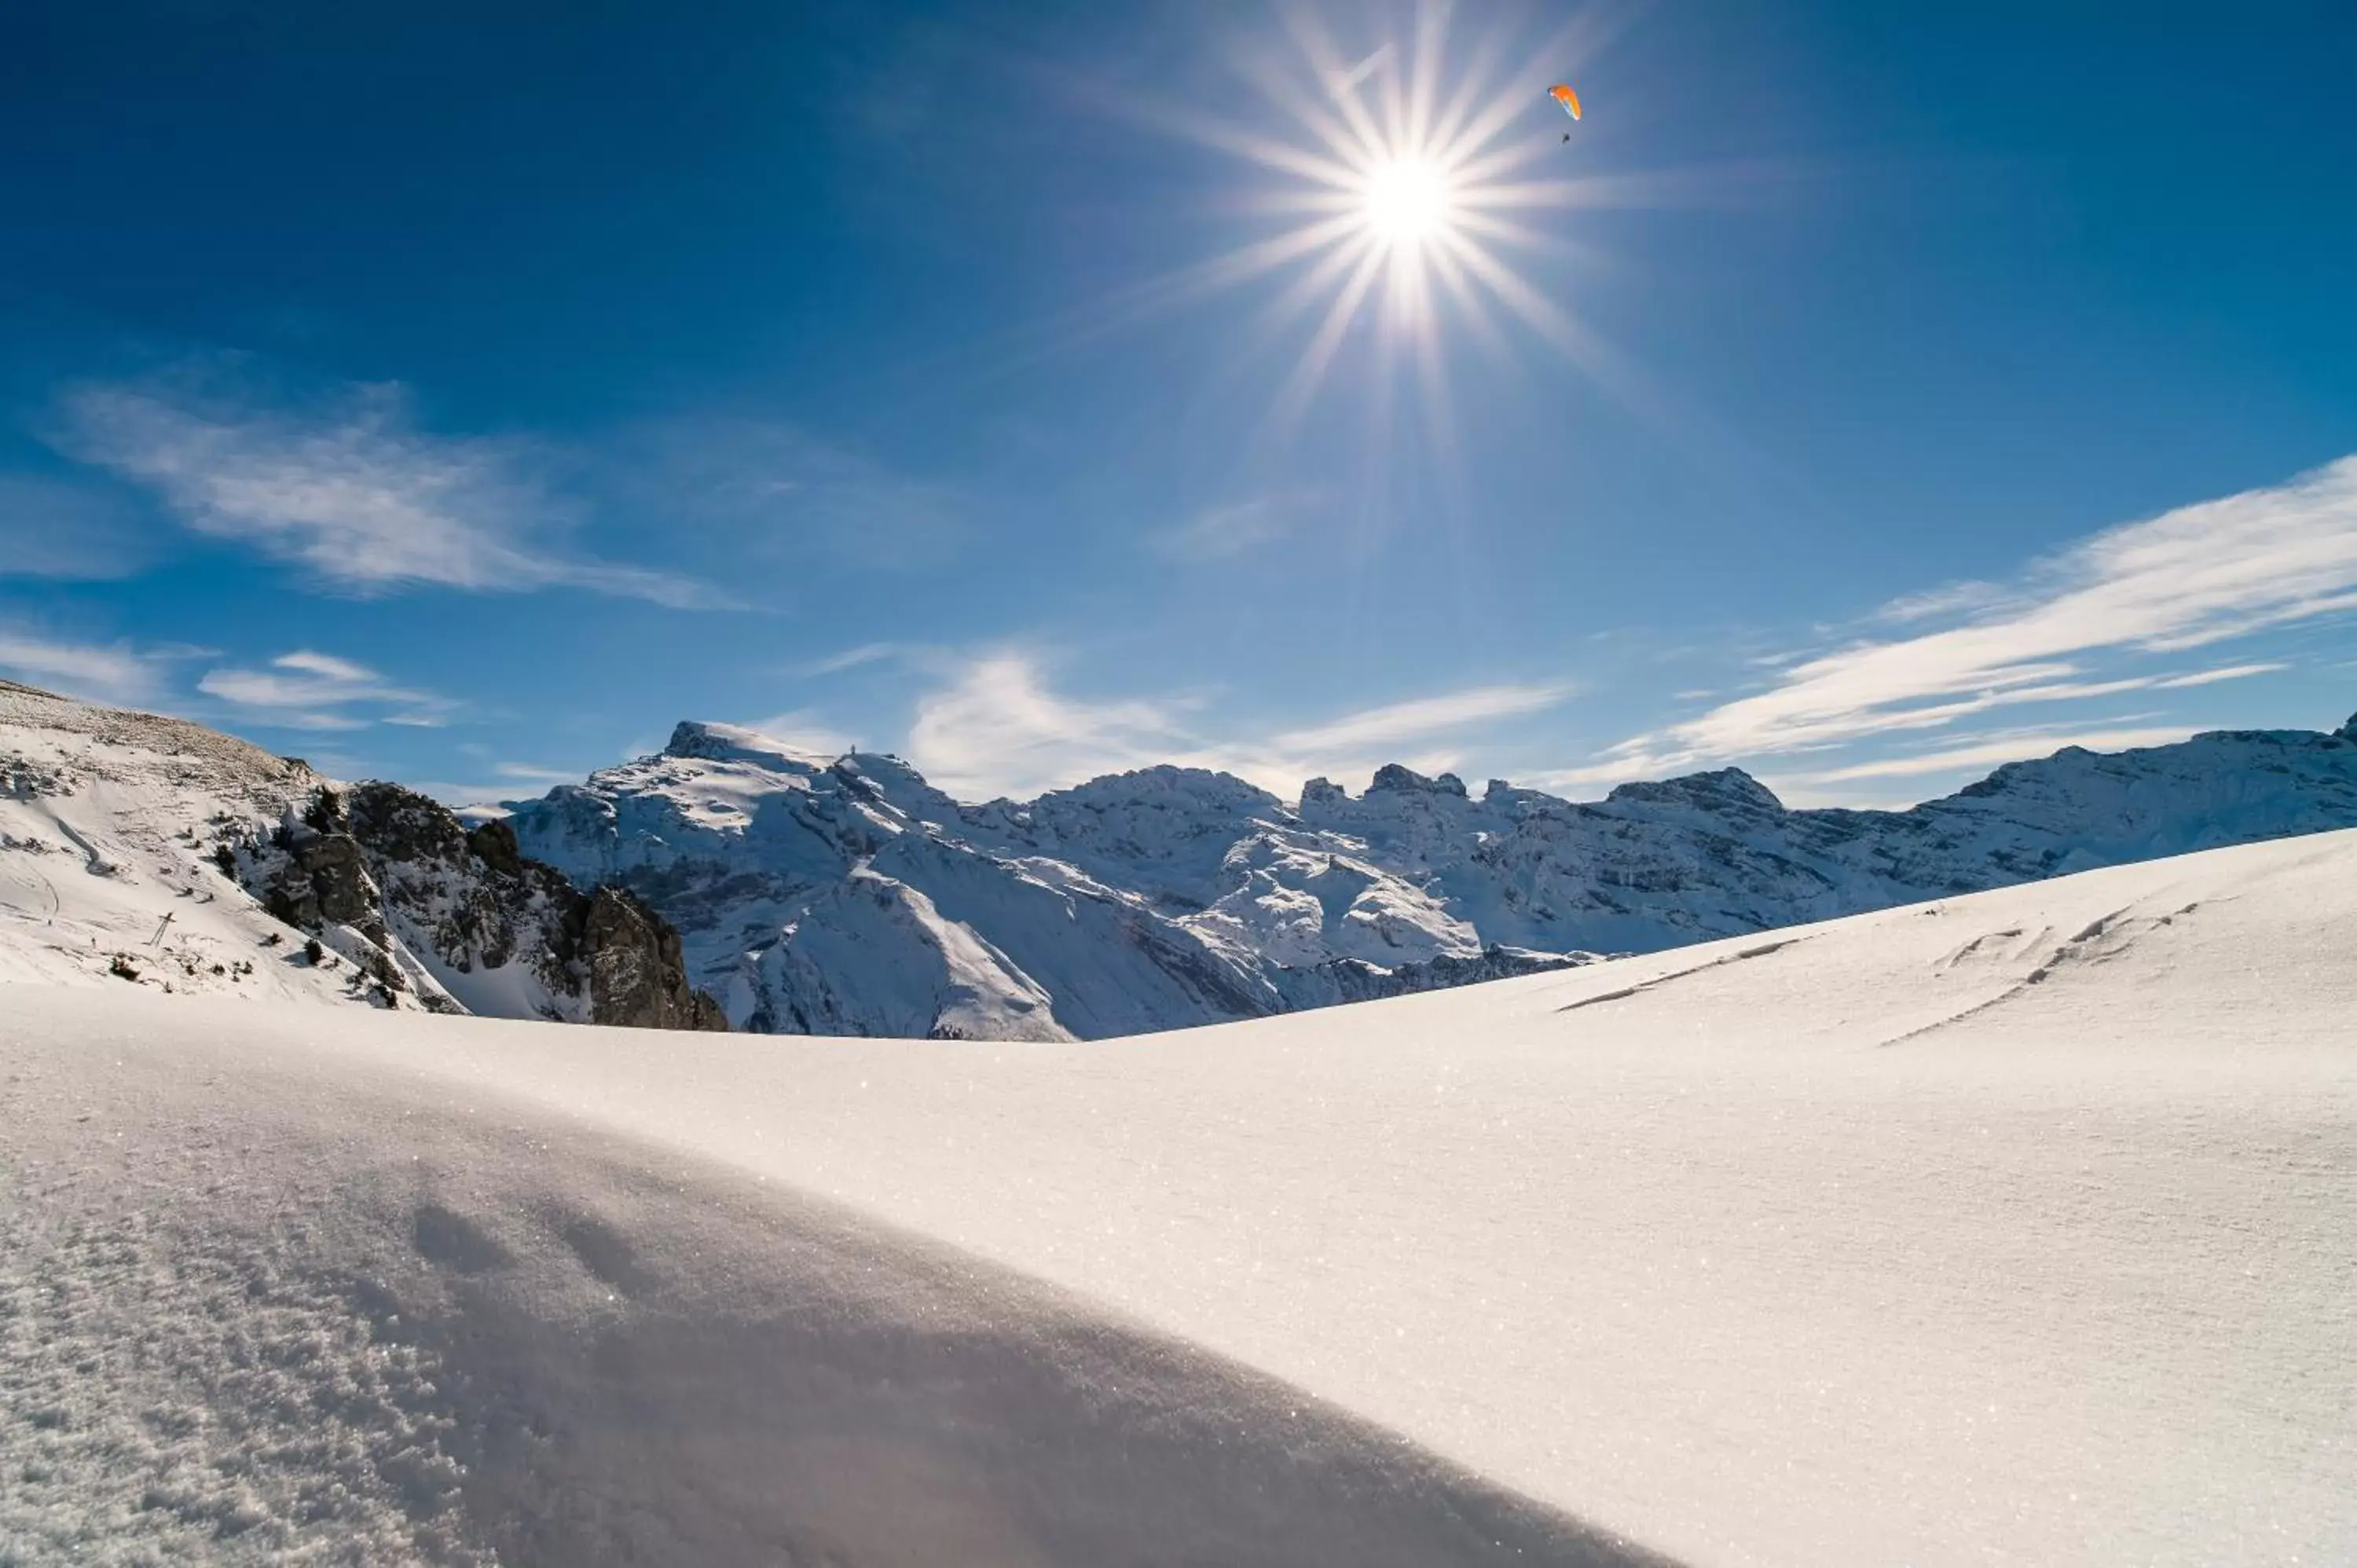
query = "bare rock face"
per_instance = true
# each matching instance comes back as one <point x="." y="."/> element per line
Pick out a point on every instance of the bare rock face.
<point x="636" y="978"/>
<point x="494" y="843"/>
<point x="396" y="886"/>
<point x="339" y="881"/>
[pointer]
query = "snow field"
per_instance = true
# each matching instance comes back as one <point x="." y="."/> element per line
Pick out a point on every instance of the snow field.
<point x="2011" y="1229"/>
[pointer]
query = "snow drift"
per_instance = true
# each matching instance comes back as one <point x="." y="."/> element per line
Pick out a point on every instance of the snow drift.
<point x="2007" y="1228"/>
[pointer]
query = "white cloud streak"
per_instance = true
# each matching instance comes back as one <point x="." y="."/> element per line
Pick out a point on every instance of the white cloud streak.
<point x="2211" y="677"/>
<point x="352" y="490"/>
<point x="1992" y="753"/>
<point x="999" y="727"/>
<point x="1409" y="722"/>
<point x="111" y="673"/>
<point x="2198" y="575"/>
<point x="313" y="690"/>
<point x="803" y="731"/>
<point x="327" y="666"/>
<point x="999" y="730"/>
<point x="1223" y="533"/>
<point x="853" y="658"/>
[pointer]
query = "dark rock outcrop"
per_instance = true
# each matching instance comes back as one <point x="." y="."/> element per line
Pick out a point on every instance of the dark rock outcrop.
<point x="422" y="906"/>
<point x="494" y="844"/>
<point x="1392" y="778"/>
<point x="1355" y="980"/>
<point x="1723" y="790"/>
<point x="637" y="979"/>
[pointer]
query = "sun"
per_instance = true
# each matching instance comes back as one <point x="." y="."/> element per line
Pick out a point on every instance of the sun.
<point x="1402" y="193"/>
<point x="1406" y="201"/>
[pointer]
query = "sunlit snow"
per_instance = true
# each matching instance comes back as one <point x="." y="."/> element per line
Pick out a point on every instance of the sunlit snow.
<point x="2009" y="1229"/>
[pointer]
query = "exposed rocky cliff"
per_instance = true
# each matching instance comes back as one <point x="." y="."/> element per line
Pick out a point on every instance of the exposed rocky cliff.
<point x="461" y="919"/>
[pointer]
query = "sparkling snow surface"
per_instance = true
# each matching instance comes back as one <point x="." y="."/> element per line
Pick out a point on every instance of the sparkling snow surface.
<point x="2020" y="1227"/>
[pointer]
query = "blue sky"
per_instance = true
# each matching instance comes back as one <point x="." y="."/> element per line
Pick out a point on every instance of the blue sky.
<point x="1865" y="395"/>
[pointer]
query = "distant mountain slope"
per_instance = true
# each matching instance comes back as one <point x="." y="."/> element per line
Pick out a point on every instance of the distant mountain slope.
<point x="148" y="851"/>
<point x="847" y="896"/>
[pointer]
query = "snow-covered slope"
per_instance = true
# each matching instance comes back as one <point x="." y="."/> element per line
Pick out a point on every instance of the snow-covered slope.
<point x="108" y="823"/>
<point x="2011" y="1227"/>
<point x="148" y="851"/>
<point x="847" y="896"/>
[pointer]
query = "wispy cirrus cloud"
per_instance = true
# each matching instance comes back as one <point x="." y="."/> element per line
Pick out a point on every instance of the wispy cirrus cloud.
<point x="1992" y="751"/>
<point x="106" y="672"/>
<point x="348" y="486"/>
<point x="2190" y="578"/>
<point x="1223" y="533"/>
<point x="506" y="781"/>
<point x="308" y="689"/>
<point x="865" y="654"/>
<point x="2211" y="677"/>
<point x="805" y="731"/>
<point x="1417" y="721"/>
<point x="1000" y="727"/>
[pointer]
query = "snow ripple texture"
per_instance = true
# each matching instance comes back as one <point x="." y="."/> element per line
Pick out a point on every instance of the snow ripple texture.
<point x="337" y="1317"/>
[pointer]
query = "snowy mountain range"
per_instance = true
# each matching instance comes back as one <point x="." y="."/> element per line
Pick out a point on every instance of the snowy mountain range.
<point x="846" y="896"/>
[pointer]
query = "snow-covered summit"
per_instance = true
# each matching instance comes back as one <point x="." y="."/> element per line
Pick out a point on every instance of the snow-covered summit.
<point x="1724" y="789"/>
<point x="1172" y="896"/>
<point x="735" y="743"/>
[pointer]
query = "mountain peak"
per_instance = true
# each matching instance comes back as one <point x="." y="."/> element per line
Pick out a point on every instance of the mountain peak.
<point x="1719" y="789"/>
<point x="2347" y="732"/>
<point x="1167" y="782"/>
<point x="1390" y="776"/>
<point x="735" y="743"/>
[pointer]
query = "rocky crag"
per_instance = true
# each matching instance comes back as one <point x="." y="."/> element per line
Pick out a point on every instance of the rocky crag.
<point x="460" y="919"/>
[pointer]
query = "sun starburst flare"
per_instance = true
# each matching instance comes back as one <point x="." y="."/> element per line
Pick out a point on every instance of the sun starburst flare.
<point x="1403" y="192"/>
<point x="1406" y="201"/>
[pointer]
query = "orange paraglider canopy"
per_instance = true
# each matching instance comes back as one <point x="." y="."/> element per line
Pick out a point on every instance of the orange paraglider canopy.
<point x="1567" y="97"/>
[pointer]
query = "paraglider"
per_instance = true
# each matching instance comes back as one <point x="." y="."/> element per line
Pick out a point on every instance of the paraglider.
<point x="1568" y="98"/>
